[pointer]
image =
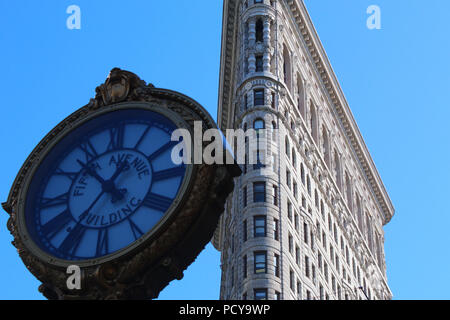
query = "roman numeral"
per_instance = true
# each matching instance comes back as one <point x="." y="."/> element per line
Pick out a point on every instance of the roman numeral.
<point x="53" y="202"/>
<point x="142" y="137"/>
<point x="102" y="243"/>
<point x="157" y="202"/>
<point x="169" y="173"/>
<point x="116" y="136"/>
<point x="88" y="150"/>
<point x="135" y="229"/>
<point x="51" y="228"/>
<point x="161" y="150"/>
<point x="71" y="175"/>
<point x="70" y="244"/>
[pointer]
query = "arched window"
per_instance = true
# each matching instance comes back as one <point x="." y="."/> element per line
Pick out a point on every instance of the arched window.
<point x="313" y="122"/>
<point x="337" y="169"/>
<point x="301" y="96"/>
<point x="294" y="158"/>
<point x="359" y="216"/>
<point x="286" y="145"/>
<point x="259" y="30"/>
<point x="302" y="173"/>
<point x="326" y="146"/>
<point x="349" y="192"/>
<point x="258" y="124"/>
<point x="308" y="184"/>
<point x="287" y="68"/>
<point x="369" y="233"/>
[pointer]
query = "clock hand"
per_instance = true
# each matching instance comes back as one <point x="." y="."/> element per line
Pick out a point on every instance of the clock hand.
<point x="86" y="212"/>
<point x="123" y="166"/>
<point x="91" y="172"/>
<point x="107" y="185"/>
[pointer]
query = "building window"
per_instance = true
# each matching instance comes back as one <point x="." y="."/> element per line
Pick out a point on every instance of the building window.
<point x="260" y="294"/>
<point x="313" y="268"/>
<point x="292" y="280"/>
<point x="276" y="229"/>
<point x="259" y="64"/>
<point x="305" y="233"/>
<point x="276" y="265"/>
<point x="308" y="184"/>
<point x="244" y="260"/>
<point x="287" y="67"/>
<point x="297" y="255"/>
<point x="260" y="262"/>
<point x="244" y="296"/>
<point x="316" y="198"/>
<point x="295" y="188"/>
<point x="319" y="261"/>
<point x="307" y="272"/>
<point x="302" y="173"/>
<point x="259" y="192"/>
<point x="288" y="178"/>
<point x="259" y="226"/>
<point x="244" y="229"/>
<point x="291" y="244"/>
<point x="277" y="295"/>
<point x="259" y="28"/>
<point x="275" y="195"/>
<point x="259" y="127"/>
<point x="289" y="210"/>
<point x="286" y="145"/>
<point x="258" y="97"/>
<point x="294" y="158"/>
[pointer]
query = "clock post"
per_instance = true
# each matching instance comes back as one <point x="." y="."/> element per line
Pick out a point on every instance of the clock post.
<point x="102" y="193"/>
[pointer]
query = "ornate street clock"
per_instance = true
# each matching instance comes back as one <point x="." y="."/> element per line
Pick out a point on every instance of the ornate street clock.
<point x="102" y="192"/>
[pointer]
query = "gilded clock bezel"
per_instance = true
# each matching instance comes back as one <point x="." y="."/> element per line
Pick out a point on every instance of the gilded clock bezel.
<point x="134" y="246"/>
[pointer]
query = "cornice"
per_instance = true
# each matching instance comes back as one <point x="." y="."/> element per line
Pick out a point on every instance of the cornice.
<point x="329" y="83"/>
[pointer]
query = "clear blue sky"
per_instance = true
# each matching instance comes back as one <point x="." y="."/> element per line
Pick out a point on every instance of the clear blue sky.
<point x="396" y="81"/>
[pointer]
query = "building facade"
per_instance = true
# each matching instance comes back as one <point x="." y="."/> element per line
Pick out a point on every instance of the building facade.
<point x="309" y="223"/>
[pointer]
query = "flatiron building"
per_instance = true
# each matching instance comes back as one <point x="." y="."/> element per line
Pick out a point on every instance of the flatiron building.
<point x="307" y="224"/>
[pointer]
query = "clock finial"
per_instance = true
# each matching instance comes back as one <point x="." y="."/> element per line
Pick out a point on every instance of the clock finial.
<point x="117" y="87"/>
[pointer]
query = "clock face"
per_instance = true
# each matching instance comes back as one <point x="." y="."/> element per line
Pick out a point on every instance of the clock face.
<point x="104" y="186"/>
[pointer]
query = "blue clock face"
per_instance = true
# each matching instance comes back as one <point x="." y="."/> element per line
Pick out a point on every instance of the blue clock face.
<point x="104" y="185"/>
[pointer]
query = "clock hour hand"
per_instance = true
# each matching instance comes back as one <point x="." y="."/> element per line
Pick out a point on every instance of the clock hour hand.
<point x="107" y="185"/>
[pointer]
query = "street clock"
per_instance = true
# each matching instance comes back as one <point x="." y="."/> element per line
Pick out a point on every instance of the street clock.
<point x="101" y="191"/>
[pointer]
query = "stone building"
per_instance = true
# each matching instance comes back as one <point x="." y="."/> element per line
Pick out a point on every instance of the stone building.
<point x="310" y="224"/>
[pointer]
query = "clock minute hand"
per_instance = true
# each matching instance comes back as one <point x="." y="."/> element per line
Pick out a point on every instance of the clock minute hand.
<point x="123" y="165"/>
<point x="86" y="212"/>
<point x="91" y="172"/>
